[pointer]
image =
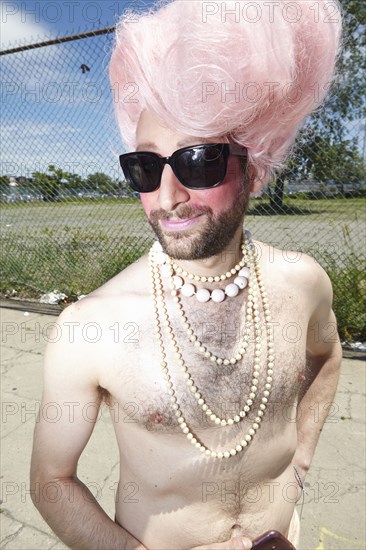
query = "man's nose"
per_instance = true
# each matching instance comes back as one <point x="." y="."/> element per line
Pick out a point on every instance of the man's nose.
<point x="171" y="191"/>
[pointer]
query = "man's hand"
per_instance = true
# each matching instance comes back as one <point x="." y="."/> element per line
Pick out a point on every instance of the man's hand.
<point x="235" y="543"/>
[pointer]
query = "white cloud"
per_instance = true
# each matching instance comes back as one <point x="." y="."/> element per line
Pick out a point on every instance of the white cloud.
<point x="62" y="144"/>
<point x="17" y="27"/>
<point x="31" y="129"/>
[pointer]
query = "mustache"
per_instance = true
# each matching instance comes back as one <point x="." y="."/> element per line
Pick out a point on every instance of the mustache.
<point x="188" y="211"/>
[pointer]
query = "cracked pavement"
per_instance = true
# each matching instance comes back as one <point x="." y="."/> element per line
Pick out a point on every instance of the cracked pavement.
<point x="333" y="507"/>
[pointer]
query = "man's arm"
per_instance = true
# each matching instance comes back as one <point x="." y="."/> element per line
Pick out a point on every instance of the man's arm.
<point x="71" y="385"/>
<point x="323" y="361"/>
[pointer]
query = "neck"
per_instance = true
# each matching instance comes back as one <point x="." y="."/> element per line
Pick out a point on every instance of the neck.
<point x="220" y="263"/>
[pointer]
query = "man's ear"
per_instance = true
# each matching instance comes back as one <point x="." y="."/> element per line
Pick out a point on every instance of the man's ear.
<point x="252" y="176"/>
<point x="257" y="179"/>
<point x="255" y="186"/>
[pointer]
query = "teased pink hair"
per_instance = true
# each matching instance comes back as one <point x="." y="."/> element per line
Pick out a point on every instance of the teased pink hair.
<point x="244" y="70"/>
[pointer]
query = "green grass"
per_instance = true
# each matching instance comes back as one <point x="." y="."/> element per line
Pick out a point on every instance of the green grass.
<point x="349" y="301"/>
<point x="348" y="279"/>
<point x="75" y="246"/>
<point x="310" y="207"/>
<point x="74" y="265"/>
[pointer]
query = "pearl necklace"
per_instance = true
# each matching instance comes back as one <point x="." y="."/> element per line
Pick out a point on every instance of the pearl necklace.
<point x="251" y="316"/>
<point x="210" y="278"/>
<point x="169" y="268"/>
<point x="161" y="258"/>
<point x="198" y="394"/>
<point x="217" y="295"/>
<point x="158" y="299"/>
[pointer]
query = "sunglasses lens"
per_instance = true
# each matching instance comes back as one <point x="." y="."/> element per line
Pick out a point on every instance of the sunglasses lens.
<point x="142" y="172"/>
<point x="197" y="167"/>
<point x="201" y="167"/>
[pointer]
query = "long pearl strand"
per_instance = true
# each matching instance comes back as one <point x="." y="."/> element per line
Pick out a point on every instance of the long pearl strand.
<point x="251" y="314"/>
<point x="210" y="278"/>
<point x="197" y="392"/>
<point x="160" y="258"/>
<point x="158" y="299"/>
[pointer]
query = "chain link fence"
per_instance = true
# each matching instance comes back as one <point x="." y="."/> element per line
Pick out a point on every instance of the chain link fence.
<point x="69" y="222"/>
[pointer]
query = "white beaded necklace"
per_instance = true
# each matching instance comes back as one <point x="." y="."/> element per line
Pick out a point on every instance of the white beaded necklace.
<point x="171" y="269"/>
<point x="252" y="306"/>
<point x="158" y="299"/>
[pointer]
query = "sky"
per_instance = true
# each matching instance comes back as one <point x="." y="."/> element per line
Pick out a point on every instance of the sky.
<point x="53" y="113"/>
<point x="27" y="21"/>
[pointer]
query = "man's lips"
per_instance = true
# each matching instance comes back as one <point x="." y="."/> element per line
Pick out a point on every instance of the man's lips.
<point x="176" y="225"/>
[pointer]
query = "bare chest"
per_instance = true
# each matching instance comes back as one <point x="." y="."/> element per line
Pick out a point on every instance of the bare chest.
<point x="137" y="385"/>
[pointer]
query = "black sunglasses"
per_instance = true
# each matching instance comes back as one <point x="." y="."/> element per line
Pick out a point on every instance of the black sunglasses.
<point x="196" y="167"/>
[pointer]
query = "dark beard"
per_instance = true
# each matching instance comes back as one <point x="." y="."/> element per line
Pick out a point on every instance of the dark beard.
<point x="210" y="240"/>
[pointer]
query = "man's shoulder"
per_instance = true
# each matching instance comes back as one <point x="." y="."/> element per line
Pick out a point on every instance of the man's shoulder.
<point x="114" y="297"/>
<point x="291" y="266"/>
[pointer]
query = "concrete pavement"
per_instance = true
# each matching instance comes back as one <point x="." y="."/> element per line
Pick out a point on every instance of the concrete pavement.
<point x="334" y="504"/>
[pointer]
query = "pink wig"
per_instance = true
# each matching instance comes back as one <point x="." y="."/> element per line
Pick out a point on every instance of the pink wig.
<point x="246" y="71"/>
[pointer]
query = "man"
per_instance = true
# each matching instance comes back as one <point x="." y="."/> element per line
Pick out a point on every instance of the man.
<point x="222" y="429"/>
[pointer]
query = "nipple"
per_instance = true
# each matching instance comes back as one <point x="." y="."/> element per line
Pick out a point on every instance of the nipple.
<point x="156" y="418"/>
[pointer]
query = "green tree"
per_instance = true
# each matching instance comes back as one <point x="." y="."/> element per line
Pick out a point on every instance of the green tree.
<point x="101" y="182"/>
<point x="73" y="181"/>
<point x="323" y="150"/>
<point x="51" y="183"/>
<point x="340" y="161"/>
<point x="4" y="181"/>
<point x="46" y="184"/>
